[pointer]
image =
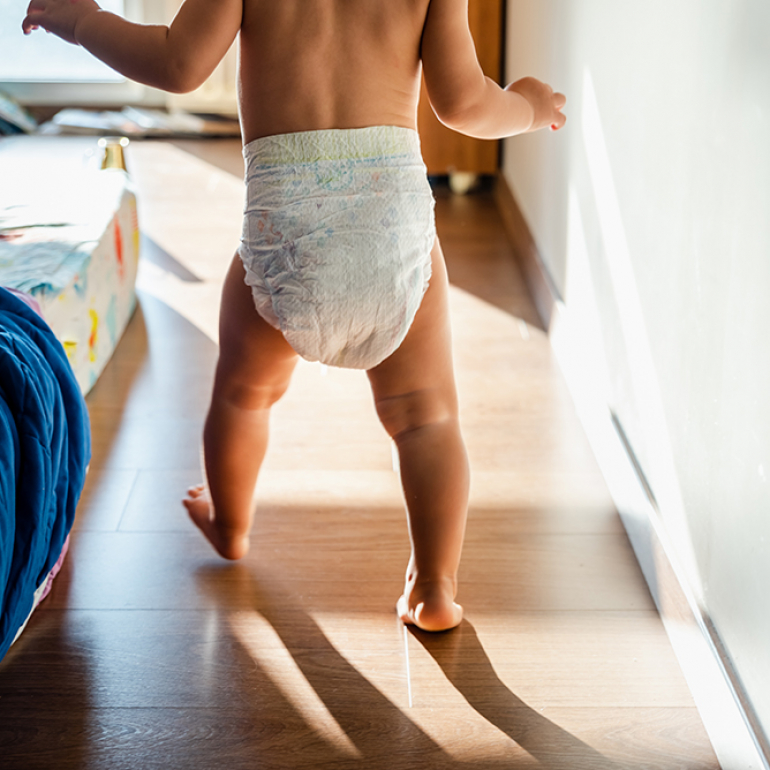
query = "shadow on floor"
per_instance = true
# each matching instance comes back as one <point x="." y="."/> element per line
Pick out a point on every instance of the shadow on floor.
<point x="462" y="658"/>
<point x="44" y="723"/>
<point x="154" y="253"/>
<point x="383" y="735"/>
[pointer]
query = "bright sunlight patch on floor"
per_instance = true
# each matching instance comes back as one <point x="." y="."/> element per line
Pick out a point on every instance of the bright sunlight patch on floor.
<point x="269" y="652"/>
<point x="194" y="240"/>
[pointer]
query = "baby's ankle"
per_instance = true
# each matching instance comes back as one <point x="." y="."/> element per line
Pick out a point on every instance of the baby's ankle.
<point x="435" y="582"/>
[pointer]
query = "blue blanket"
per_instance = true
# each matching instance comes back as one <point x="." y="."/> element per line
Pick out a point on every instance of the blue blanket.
<point x="45" y="448"/>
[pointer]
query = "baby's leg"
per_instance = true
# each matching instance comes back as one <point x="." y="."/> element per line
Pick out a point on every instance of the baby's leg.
<point x="254" y="368"/>
<point x="416" y="398"/>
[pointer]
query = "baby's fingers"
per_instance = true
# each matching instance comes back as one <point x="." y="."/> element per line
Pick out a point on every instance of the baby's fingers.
<point x="28" y="25"/>
<point x="558" y="123"/>
<point x="34" y="10"/>
<point x="558" y="101"/>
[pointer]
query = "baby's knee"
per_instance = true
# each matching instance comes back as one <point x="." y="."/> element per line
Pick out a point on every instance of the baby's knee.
<point x="246" y="395"/>
<point x="405" y="413"/>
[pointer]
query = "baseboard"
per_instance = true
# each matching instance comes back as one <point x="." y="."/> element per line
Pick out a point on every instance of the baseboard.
<point x="541" y="288"/>
<point x="726" y="713"/>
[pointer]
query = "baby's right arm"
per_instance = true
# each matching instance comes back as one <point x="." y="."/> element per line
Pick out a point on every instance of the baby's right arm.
<point x="177" y="57"/>
<point x="467" y="101"/>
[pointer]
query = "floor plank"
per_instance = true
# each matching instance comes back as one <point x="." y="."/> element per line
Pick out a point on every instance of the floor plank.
<point x="152" y="652"/>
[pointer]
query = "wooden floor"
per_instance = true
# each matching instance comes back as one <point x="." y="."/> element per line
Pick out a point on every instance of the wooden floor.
<point x="153" y="653"/>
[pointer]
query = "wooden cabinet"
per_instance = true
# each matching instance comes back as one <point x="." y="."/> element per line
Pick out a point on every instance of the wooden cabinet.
<point x="445" y="150"/>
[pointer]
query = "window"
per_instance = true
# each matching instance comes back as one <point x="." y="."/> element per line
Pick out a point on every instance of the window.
<point x="42" y="69"/>
<point x="41" y="58"/>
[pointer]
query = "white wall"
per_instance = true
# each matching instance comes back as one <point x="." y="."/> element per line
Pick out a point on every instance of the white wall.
<point x="651" y="211"/>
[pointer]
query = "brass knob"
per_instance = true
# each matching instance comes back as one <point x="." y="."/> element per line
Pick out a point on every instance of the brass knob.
<point x="112" y="147"/>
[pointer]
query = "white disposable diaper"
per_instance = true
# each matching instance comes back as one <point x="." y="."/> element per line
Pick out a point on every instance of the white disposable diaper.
<point x="337" y="234"/>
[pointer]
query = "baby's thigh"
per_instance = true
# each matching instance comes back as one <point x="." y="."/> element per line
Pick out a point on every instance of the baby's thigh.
<point x="255" y="361"/>
<point x="419" y="375"/>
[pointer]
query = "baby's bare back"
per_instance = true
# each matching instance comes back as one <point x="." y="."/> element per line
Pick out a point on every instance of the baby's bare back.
<point x="317" y="64"/>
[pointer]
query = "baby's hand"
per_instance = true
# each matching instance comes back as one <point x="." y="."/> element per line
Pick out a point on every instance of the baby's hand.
<point x="58" y="16"/>
<point x="546" y="104"/>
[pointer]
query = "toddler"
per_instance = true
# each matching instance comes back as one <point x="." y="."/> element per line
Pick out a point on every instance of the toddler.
<point x="339" y="261"/>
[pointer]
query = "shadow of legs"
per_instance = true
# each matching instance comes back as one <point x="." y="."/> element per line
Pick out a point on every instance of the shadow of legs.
<point x="462" y="658"/>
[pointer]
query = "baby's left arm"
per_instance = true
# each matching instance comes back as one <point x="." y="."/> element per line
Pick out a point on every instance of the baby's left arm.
<point x="176" y="58"/>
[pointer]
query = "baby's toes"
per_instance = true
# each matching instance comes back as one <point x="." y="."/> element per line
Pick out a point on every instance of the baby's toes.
<point x="402" y="610"/>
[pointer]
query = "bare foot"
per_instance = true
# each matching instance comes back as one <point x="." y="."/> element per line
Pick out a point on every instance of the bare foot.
<point x="201" y="511"/>
<point x="430" y="605"/>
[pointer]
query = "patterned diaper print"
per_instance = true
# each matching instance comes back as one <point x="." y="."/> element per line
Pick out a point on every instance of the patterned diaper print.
<point x="337" y="234"/>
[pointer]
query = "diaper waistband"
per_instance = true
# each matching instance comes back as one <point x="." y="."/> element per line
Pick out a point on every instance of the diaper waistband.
<point x="332" y="145"/>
